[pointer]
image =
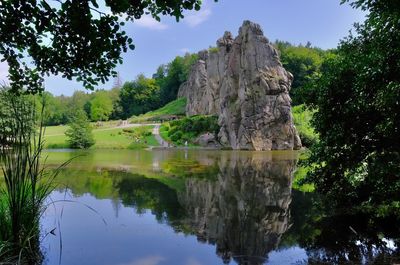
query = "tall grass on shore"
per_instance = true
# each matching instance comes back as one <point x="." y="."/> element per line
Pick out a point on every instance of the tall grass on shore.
<point x="26" y="182"/>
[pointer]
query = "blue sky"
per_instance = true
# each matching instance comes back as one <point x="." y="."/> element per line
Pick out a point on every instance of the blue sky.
<point x="322" y="22"/>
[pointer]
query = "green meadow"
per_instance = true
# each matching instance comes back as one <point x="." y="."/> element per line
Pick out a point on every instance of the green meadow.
<point x="106" y="137"/>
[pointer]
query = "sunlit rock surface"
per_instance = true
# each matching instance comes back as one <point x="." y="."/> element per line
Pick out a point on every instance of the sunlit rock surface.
<point x="243" y="82"/>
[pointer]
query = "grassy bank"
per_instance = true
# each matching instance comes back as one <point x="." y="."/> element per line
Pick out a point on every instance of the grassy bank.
<point x="172" y="110"/>
<point x="106" y="137"/>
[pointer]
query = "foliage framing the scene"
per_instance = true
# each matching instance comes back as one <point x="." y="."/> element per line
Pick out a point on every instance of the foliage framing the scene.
<point x="72" y="38"/>
<point x="357" y="160"/>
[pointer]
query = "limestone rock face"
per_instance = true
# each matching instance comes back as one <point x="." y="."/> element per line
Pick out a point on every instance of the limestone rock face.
<point x="207" y="140"/>
<point x="245" y="85"/>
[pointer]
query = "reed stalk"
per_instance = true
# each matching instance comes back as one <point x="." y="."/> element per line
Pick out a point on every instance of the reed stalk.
<point x="27" y="183"/>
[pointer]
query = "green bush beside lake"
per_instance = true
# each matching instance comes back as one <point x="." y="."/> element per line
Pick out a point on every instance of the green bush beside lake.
<point x="302" y="116"/>
<point x="189" y="128"/>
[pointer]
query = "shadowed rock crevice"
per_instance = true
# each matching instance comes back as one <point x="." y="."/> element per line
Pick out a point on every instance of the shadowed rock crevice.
<point x="245" y="84"/>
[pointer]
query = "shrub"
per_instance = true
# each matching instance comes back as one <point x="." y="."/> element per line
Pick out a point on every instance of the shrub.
<point x="140" y="132"/>
<point x="188" y="128"/>
<point x="213" y="49"/>
<point x="127" y="130"/>
<point x="302" y="119"/>
<point x="79" y="132"/>
<point x="176" y="136"/>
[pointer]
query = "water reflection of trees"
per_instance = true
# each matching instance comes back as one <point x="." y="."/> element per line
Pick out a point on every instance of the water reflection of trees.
<point x="350" y="240"/>
<point x="329" y="238"/>
<point x="144" y="193"/>
<point x="132" y="190"/>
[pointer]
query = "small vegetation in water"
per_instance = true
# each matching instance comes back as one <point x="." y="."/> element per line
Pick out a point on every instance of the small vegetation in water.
<point x="189" y="128"/>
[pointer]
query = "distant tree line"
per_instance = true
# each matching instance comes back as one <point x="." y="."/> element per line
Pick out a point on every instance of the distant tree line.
<point x="134" y="97"/>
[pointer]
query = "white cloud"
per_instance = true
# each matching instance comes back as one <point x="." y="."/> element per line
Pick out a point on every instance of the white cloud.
<point x="195" y="18"/>
<point x="147" y="21"/>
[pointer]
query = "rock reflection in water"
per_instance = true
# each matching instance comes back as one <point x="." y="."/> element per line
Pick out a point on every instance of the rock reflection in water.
<point x="238" y="202"/>
<point x="246" y="210"/>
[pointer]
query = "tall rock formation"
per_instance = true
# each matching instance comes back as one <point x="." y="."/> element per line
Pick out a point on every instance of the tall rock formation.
<point x="244" y="83"/>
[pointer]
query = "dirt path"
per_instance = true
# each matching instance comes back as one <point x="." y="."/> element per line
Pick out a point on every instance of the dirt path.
<point x="160" y="140"/>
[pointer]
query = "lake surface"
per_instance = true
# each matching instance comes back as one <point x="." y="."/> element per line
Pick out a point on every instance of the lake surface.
<point x="192" y="207"/>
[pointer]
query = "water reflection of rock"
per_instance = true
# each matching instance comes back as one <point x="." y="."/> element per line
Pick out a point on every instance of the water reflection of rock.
<point x="246" y="211"/>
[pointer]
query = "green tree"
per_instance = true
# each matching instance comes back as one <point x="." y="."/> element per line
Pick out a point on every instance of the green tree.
<point x="101" y="106"/>
<point x="72" y="38"/>
<point x="304" y="62"/>
<point x="79" y="132"/>
<point x="5" y="118"/>
<point x="139" y="96"/>
<point x="170" y="77"/>
<point x="13" y="108"/>
<point x="114" y="94"/>
<point x="357" y="160"/>
<point x="55" y="112"/>
<point x="78" y="100"/>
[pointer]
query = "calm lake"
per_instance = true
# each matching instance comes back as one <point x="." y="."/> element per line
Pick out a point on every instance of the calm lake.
<point x="192" y="207"/>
